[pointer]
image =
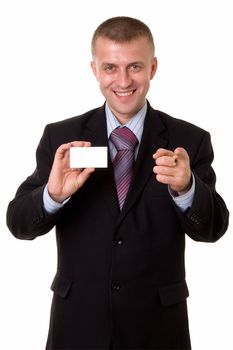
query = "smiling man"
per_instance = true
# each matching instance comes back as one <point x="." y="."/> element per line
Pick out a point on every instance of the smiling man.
<point x="120" y="282"/>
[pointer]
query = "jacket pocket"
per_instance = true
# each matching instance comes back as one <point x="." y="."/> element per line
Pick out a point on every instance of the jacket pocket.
<point x="61" y="285"/>
<point x="173" y="294"/>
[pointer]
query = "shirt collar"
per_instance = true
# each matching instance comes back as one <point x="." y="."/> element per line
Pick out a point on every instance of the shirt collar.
<point x="135" y="124"/>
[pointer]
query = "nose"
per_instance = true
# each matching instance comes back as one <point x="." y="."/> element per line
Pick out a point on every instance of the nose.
<point x="124" y="79"/>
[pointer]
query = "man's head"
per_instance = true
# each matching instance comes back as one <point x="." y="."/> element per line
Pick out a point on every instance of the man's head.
<point x="123" y="63"/>
<point x="121" y="30"/>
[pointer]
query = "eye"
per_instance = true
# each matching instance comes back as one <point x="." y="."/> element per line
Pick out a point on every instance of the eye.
<point x="109" y="68"/>
<point x="136" y="67"/>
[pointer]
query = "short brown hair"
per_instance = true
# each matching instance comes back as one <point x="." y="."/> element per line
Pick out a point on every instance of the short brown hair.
<point x="122" y="29"/>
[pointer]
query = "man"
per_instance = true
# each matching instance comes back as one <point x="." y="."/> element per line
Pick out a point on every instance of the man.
<point x="120" y="231"/>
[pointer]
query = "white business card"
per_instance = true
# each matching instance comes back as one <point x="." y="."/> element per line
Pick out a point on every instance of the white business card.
<point x="88" y="157"/>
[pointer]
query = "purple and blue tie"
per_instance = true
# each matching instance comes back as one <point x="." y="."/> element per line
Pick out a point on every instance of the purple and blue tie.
<point x="125" y="142"/>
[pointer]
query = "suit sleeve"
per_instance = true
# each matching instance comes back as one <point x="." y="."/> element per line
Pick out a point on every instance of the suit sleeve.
<point x="207" y="219"/>
<point x="26" y="218"/>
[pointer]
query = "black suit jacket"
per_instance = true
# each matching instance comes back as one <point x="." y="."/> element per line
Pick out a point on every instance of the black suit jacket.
<point x="121" y="275"/>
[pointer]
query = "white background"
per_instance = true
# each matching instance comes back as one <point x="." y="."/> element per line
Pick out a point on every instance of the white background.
<point x="45" y="76"/>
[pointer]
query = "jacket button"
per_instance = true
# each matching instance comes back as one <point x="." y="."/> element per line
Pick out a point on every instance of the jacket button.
<point x="118" y="240"/>
<point x="195" y="218"/>
<point x="116" y="287"/>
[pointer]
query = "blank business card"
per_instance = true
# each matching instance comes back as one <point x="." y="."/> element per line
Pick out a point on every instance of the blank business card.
<point x="88" y="157"/>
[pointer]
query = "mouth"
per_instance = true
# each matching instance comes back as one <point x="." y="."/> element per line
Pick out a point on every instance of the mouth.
<point x="124" y="93"/>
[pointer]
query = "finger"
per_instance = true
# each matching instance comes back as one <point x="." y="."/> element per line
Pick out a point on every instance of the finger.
<point x="80" y="144"/>
<point x="64" y="147"/>
<point x="165" y="170"/>
<point x="161" y="152"/>
<point x="164" y="179"/>
<point x="166" y="161"/>
<point x="61" y="151"/>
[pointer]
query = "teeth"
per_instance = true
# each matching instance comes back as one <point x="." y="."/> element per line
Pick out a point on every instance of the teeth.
<point x="124" y="93"/>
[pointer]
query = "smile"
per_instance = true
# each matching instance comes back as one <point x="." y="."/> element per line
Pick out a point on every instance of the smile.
<point x="123" y="94"/>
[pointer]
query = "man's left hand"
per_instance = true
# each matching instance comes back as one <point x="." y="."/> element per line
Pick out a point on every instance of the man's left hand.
<point x="173" y="169"/>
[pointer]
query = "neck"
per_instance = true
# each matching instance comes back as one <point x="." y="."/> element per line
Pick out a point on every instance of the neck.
<point x="123" y="119"/>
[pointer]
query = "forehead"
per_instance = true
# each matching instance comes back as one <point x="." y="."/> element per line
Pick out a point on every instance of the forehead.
<point x="136" y="49"/>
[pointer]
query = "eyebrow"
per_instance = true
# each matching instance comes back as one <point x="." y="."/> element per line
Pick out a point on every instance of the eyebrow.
<point x="129" y="64"/>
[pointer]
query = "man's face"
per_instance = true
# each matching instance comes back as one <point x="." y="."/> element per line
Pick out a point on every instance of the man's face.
<point x="124" y="71"/>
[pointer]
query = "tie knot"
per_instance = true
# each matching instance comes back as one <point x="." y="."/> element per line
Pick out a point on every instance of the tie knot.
<point x="123" y="139"/>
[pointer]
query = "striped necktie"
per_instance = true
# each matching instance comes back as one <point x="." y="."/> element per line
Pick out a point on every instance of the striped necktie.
<point x="125" y="142"/>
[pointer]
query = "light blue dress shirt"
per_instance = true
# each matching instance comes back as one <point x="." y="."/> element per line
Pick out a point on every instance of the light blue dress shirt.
<point x="135" y="124"/>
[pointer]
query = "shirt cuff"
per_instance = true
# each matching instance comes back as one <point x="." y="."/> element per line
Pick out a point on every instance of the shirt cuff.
<point x="50" y="206"/>
<point x="184" y="201"/>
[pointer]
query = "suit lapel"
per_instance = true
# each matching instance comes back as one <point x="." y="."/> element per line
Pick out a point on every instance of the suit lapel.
<point x="96" y="132"/>
<point x="154" y="137"/>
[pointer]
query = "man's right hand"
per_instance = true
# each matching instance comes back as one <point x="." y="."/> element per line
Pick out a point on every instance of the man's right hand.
<point x="63" y="180"/>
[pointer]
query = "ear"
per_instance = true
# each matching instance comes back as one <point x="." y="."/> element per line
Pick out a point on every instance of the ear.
<point x="153" y="68"/>
<point x="93" y="67"/>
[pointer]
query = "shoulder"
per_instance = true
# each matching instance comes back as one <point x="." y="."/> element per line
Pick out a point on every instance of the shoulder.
<point x="177" y="129"/>
<point x="179" y="125"/>
<point x="74" y="122"/>
<point x="180" y="133"/>
<point x="70" y="129"/>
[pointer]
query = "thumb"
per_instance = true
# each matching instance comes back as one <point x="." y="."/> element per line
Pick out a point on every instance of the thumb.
<point x="181" y="153"/>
